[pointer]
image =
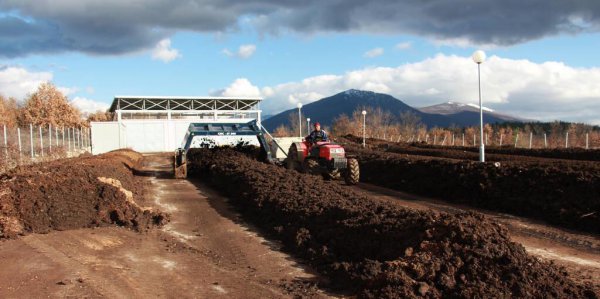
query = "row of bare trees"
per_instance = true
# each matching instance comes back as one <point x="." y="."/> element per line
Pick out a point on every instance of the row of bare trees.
<point x="408" y="127"/>
<point x="46" y="106"/>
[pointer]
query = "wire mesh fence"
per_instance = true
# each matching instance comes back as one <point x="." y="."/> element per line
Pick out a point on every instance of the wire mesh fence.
<point x="589" y="140"/>
<point x="29" y="144"/>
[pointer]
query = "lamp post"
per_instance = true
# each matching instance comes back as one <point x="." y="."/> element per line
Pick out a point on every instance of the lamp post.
<point x="364" y="114"/>
<point x="479" y="58"/>
<point x="299" y="120"/>
<point x="308" y="125"/>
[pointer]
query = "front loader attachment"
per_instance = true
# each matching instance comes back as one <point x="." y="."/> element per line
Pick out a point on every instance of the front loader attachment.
<point x="209" y="135"/>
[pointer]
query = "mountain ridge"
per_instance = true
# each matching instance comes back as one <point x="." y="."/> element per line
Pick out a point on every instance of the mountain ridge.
<point x="346" y="102"/>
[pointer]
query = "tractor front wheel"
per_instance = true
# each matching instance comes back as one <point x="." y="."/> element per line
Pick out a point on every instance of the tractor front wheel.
<point x="352" y="172"/>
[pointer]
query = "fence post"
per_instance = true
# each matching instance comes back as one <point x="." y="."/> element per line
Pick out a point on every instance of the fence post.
<point x="444" y="141"/>
<point x="545" y="141"/>
<point x="486" y="139"/>
<point x="587" y="141"/>
<point x="19" y="138"/>
<point x="31" y="139"/>
<point x="530" y="139"/>
<point x="463" y="138"/>
<point x="474" y="140"/>
<point x="5" y="143"/>
<point x="69" y="139"/>
<point x="567" y="140"/>
<point x="517" y="140"/>
<point x="452" y="139"/>
<point x="501" y="139"/>
<point x="49" y="139"/>
<point x="41" y="140"/>
<point x="434" y="139"/>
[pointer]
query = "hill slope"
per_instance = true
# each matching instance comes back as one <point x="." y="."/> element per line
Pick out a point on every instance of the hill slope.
<point x="327" y="109"/>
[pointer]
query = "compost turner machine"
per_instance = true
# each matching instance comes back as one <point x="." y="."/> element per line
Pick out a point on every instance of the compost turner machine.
<point x="325" y="158"/>
<point x="208" y="135"/>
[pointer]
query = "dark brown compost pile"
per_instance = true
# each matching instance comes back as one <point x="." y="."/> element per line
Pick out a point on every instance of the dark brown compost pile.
<point x="74" y="193"/>
<point x="376" y="249"/>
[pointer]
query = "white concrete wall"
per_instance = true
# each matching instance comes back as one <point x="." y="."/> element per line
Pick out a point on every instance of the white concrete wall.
<point x="105" y="137"/>
<point x="144" y="136"/>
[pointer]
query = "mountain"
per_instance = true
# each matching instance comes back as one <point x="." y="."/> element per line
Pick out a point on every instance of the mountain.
<point x="327" y="109"/>
<point x="464" y="111"/>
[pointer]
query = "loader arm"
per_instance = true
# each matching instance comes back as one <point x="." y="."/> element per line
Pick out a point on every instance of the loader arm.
<point x="208" y="135"/>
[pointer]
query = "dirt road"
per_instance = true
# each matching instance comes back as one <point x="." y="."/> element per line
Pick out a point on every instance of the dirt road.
<point x="205" y="252"/>
<point x="578" y="253"/>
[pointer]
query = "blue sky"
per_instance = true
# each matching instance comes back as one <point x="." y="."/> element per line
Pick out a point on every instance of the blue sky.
<point x="286" y="59"/>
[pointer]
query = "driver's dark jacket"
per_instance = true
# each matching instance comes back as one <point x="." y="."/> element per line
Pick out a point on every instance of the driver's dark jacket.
<point x="316" y="136"/>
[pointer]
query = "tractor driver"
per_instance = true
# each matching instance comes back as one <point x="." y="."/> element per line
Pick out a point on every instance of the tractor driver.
<point x="317" y="135"/>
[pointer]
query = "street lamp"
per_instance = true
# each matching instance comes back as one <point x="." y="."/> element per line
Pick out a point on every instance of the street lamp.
<point x="299" y="120"/>
<point x="479" y="58"/>
<point x="364" y="114"/>
<point x="308" y="125"/>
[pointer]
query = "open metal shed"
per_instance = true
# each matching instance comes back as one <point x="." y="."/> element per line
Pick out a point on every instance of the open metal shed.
<point x="159" y="123"/>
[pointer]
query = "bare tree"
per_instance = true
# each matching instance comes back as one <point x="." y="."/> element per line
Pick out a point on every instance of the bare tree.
<point x="8" y="111"/>
<point x="293" y="122"/>
<point x="49" y="106"/>
<point x="282" y="131"/>
<point x="100" y="116"/>
<point x="342" y="126"/>
<point x="410" y="123"/>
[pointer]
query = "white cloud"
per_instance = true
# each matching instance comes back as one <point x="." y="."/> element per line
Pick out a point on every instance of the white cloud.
<point x="545" y="91"/>
<point x="374" y="53"/>
<point x="67" y="91"/>
<point x="88" y="106"/>
<point x="241" y="87"/>
<point x="243" y="52"/>
<point x="164" y="52"/>
<point x="228" y="53"/>
<point x="18" y="82"/>
<point x="246" y="51"/>
<point x="404" y="46"/>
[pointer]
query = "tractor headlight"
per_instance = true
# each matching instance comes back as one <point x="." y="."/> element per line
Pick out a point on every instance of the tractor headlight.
<point x="337" y="150"/>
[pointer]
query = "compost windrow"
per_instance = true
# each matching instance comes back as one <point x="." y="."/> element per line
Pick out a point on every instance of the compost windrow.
<point x="376" y="249"/>
<point x="560" y="192"/>
<point x="75" y="193"/>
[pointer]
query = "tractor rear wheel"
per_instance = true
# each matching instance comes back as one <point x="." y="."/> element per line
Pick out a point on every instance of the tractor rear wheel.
<point x="352" y="172"/>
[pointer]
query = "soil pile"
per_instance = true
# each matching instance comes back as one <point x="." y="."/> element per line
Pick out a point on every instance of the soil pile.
<point x="377" y="249"/>
<point x="74" y="193"/>
<point x="560" y="192"/>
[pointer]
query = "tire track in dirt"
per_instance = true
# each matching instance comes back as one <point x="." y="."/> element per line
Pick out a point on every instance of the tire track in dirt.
<point x="96" y="282"/>
<point x="202" y="221"/>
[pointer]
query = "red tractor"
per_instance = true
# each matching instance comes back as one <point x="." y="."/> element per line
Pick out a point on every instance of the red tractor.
<point x="325" y="158"/>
